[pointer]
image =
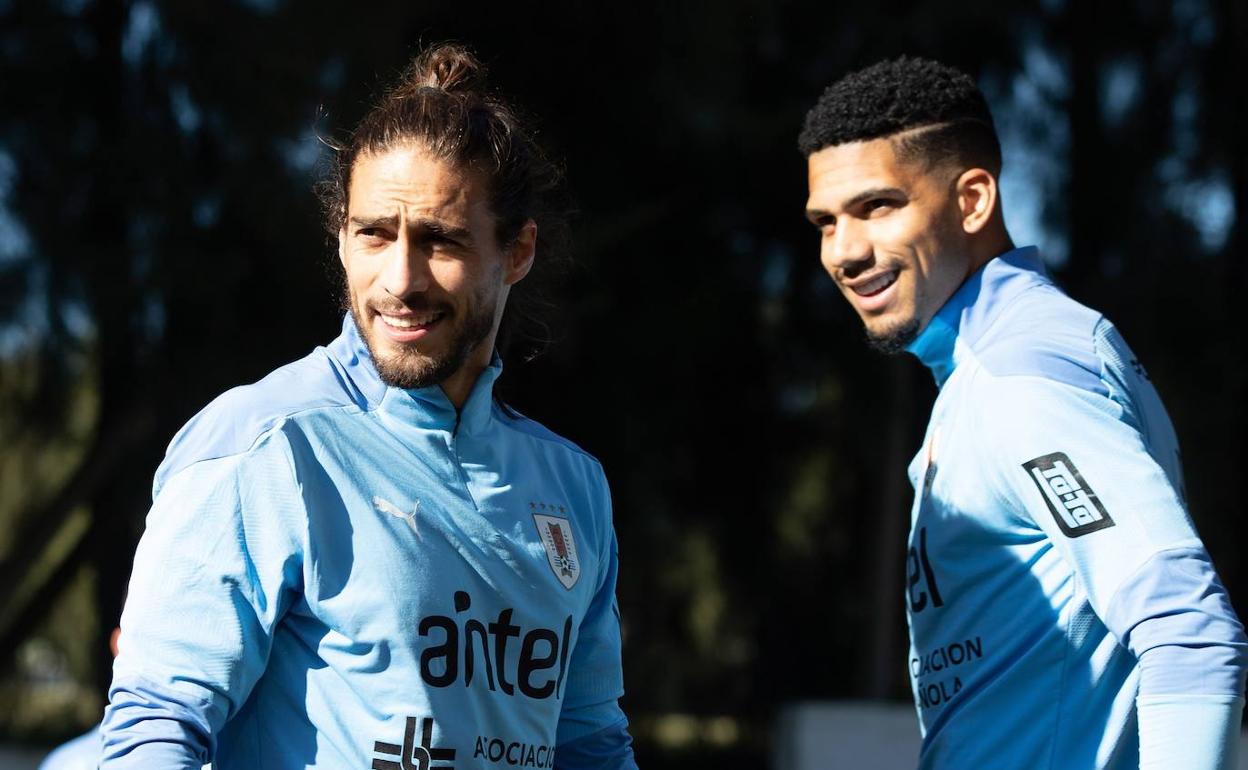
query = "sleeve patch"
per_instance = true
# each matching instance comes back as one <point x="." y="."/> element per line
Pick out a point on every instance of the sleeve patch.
<point x="1072" y="502"/>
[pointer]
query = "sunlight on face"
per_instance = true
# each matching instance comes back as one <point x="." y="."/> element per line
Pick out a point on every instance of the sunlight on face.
<point x="890" y="236"/>
<point x="425" y="276"/>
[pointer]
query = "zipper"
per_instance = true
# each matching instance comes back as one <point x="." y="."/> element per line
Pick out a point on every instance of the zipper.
<point x="452" y="446"/>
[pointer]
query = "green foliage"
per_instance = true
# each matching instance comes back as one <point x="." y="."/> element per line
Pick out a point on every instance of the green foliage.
<point x="46" y="697"/>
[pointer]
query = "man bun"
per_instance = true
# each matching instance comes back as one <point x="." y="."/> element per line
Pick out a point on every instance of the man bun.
<point x="443" y="104"/>
<point x="447" y="67"/>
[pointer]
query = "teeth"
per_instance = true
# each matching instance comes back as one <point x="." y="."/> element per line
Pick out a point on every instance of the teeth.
<point x="410" y="322"/>
<point x="876" y="285"/>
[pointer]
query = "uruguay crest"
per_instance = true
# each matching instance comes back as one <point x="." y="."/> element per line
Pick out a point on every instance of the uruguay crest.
<point x="556" y="534"/>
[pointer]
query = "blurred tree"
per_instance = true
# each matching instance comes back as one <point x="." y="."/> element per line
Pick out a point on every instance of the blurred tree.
<point x="159" y="244"/>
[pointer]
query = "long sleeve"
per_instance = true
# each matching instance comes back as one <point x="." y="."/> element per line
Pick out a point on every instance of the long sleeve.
<point x="1086" y="477"/>
<point x="592" y="729"/>
<point x="214" y="572"/>
<point x="610" y="748"/>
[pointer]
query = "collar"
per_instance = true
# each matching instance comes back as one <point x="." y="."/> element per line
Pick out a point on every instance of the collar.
<point x="962" y="321"/>
<point x="427" y="407"/>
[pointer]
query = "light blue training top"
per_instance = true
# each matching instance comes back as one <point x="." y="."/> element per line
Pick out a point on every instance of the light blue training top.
<point x="1058" y="594"/>
<point x="340" y="574"/>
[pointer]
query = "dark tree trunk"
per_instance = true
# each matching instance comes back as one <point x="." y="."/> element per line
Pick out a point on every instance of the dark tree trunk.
<point x="114" y="299"/>
<point x="1085" y="40"/>
<point x="887" y="628"/>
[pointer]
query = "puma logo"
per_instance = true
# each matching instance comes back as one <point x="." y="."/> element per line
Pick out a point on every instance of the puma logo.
<point x="385" y="506"/>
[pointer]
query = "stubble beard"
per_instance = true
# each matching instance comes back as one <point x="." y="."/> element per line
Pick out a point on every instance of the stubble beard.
<point x="407" y="368"/>
<point x="894" y="339"/>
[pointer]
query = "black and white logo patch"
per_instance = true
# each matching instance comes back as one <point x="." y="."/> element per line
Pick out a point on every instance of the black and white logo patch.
<point x="416" y="753"/>
<point x="1071" y="501"/>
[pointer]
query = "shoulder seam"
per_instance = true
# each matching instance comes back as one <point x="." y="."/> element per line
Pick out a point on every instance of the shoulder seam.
<point x="1042" y="378"/>
<point x="554" y="438"/>
<point x="271" y="427"/>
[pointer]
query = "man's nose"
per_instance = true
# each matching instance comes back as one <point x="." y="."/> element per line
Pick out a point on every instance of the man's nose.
<point x="406" y="270"/>
<point x="847" y="250"/>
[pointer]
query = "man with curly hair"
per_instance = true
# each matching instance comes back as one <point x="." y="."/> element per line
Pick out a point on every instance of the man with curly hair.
<point x="1063" y="611"/>
<point x="365" y="560"/>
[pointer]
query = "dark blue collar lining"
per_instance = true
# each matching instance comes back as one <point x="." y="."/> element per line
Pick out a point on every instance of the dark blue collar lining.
<point x="972" y="309"/>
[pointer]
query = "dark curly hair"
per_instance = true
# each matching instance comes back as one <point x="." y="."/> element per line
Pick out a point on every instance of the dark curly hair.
<point x="443" y="103"/>
<point x="939" y="112"/>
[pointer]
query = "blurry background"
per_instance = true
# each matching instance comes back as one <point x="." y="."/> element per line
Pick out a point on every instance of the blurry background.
<point x="159" y="243"/>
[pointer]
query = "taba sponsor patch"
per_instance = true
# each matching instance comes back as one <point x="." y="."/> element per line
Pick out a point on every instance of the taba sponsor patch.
<point x="1072" y="502"/>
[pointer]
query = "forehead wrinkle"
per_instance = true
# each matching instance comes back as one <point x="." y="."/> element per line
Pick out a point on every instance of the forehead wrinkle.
<point x="408" y="203"/>
<point x="410" y="178"/>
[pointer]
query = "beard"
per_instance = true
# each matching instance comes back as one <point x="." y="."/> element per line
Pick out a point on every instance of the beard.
<point x="895" y="339"/>
<point x="407" y="367"/>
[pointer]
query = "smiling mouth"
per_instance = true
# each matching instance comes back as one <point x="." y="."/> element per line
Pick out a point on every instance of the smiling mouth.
<point x="876" y="285"/>
<point x="411" y="322"/>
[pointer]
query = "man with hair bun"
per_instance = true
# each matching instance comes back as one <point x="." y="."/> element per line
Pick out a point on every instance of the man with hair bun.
<point x="367" y="560"/>
<point x="1063" y="611"/>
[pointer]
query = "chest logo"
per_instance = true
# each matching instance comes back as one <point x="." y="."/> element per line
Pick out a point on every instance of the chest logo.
<point x="1072" y="502"/>
<point x="385" y="506"/>
<point x="413" y="755"/>
<point x="556" y="535"/>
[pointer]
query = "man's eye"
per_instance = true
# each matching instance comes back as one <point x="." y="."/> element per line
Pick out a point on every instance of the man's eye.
<point x="444" y="243"/>
<point x="877" y="204"/>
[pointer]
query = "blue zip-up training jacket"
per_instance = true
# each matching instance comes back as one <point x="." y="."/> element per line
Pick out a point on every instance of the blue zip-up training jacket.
<point x="1063" y="612"/>
<point x="340" y="574"/>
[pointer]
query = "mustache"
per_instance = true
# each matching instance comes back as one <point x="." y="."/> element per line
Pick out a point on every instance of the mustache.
<point x="412" y="304"/>
<point x="853" y="270"/>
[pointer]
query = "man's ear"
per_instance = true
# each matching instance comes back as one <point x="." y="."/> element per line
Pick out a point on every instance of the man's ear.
<point x="977" y="199"/>
<point x="342" y="247"/>
<point x="519" y="255"/>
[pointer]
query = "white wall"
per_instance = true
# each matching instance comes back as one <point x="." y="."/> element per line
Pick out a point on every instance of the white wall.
<point x="863" y="735"/>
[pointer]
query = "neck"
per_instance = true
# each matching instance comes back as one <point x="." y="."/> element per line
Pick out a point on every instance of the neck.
<point x="980" y="251"/>
<point x="459" y="385"/>
<point x="995" y="242"/>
